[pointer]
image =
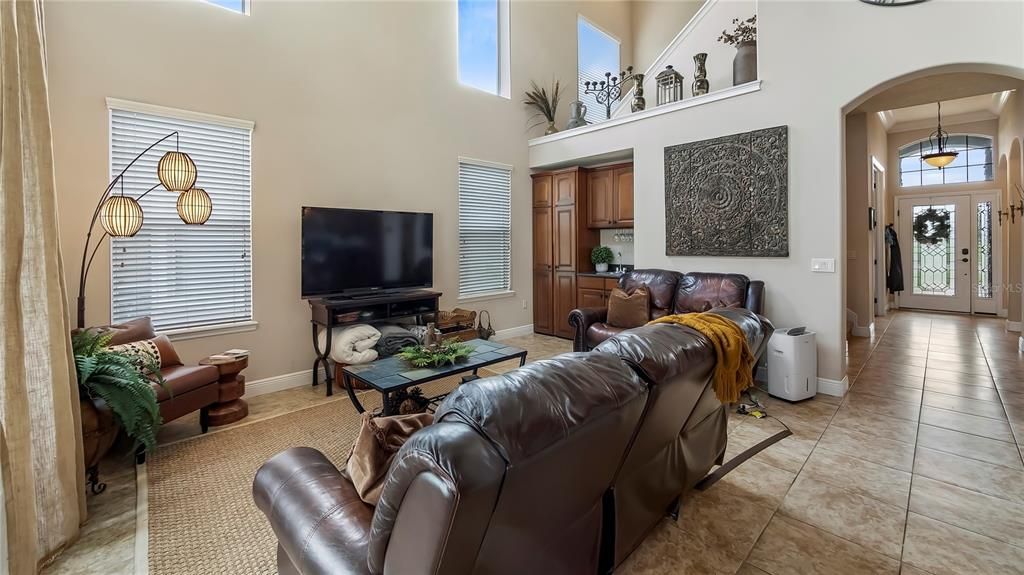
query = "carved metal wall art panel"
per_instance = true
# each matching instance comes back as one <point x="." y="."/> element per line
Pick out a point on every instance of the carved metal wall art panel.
<point x="729" y="196"/>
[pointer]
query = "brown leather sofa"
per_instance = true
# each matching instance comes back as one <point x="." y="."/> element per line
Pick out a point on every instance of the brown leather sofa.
<point x="562" y="466"/>
<point x="192" y="387"/>
<point x="671" y="293"/>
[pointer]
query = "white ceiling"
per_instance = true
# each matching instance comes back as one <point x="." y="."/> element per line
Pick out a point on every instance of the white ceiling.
<point x="970" y="109"/>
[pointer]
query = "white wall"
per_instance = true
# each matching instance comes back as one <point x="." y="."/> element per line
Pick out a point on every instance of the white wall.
<point x="815" y="60"/>
<point x="356" y="104"/>
<point x="1011" y="136"/>
<point x="654" y="24"/>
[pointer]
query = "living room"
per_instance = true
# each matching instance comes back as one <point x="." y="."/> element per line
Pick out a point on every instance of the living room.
<point x="401" y="130"/>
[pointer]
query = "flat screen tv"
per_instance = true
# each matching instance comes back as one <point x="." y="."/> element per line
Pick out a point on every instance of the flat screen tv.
<point x="354" y="252"/>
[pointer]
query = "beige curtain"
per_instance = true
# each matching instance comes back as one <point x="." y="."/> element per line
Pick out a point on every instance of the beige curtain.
<point x="44" y="496"/>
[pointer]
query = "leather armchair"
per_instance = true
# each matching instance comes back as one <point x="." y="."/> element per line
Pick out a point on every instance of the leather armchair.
<point x="683" y="433"/>
<point x="671" y="293"/>
<point x="511" y="478"/>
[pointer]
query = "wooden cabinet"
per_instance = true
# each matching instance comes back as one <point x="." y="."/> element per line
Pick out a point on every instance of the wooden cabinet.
<point x="610" y="191"/>
<point x="593" y="291"/>
<point x="565" y="302"/>
<point x="561" y="246"/>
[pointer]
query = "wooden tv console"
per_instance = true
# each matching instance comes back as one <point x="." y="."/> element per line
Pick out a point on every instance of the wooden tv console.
<point x="329" y="313"/>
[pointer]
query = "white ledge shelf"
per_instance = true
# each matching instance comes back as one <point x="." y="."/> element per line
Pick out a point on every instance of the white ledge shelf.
<point x="715" y="96"/>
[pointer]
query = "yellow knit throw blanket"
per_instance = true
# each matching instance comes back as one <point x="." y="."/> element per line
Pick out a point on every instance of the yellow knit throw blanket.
<point x="735" y="360"/>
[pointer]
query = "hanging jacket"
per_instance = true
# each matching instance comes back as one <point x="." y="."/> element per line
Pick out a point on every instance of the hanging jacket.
<point x="894" y="277"/>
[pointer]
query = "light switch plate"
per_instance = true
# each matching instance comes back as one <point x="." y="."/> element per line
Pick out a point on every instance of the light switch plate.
<point x="823" y="265"/>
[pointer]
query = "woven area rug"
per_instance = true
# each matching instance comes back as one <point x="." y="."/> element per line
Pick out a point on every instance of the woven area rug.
<point x="202" y="519"/>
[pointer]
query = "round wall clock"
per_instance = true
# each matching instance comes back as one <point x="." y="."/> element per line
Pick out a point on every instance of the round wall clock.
<point x="892" y="2"/>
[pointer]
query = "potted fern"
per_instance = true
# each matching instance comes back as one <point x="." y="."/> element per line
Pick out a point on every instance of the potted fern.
<point x="116" y="390"/>
<point x="545" y="103"/>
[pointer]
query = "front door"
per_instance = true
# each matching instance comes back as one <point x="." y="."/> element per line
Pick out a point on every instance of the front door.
<point x="937" y="270"/>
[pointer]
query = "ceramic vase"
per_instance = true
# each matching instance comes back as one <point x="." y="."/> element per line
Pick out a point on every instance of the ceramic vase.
<point x="701" y="85"/>
<point x="601" y="268"/>
<point x="577" y="115"/>
<point x="744" y="65"/>
<point x="638" y="94"/>
<point x="551" y="129"/>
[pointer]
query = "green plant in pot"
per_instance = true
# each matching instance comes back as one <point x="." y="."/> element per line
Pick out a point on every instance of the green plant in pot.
<point x="545" y="104"/>
<point x="744" y="38"/>
<point x="601" y="256"/>
<point x="120" y="382"/>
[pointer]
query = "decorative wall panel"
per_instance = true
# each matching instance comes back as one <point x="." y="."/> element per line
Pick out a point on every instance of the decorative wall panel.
<point x="729" y="196"/>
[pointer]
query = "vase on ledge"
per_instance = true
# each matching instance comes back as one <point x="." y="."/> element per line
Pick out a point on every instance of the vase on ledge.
<point x="552" y="128"/>
<point x="701" y="85"/>
<point x="744" y="65"/>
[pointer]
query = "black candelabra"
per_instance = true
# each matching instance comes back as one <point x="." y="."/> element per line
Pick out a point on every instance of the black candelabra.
<point x="609" y="90"/>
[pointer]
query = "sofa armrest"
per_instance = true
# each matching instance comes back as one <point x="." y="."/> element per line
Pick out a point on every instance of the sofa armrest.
<point x="320" y="522"/>
<point x="581" y="320"/>
<point x="755" y="297"/>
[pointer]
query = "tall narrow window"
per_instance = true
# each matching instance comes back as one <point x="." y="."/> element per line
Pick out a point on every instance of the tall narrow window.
<point x="597" y="53"/>
<point x="240" y="6"/>
<point x="483" y="45"/>
<point x="183" y="276"/>
<point x="485" y="228"/>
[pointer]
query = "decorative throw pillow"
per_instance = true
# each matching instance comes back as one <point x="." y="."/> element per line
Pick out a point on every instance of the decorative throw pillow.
<point x="375" y="448"/>
<point x="629" y="310"/>
<point x="158" y="348"/>
<point x="136" y="329"/>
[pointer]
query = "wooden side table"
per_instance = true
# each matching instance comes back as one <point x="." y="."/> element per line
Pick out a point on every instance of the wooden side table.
<point x="230" y="406"/>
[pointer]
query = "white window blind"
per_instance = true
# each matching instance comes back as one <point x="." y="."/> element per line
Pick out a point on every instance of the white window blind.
<point x="485" y="228"/>
<point x="597" y="53"/>
<point x="183" y="276"/>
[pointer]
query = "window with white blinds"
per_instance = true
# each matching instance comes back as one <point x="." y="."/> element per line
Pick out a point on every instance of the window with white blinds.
<point x="183" y="276"/>
<point x="597" y="53"/>
<point x="485" y="228"/>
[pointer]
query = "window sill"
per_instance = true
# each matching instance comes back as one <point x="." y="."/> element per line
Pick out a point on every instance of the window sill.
<point x="210" y="330"/>
<point x="487" y="296"/>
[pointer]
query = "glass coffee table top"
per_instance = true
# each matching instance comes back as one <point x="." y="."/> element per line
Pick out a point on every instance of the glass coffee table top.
<point x="393" y="373"/>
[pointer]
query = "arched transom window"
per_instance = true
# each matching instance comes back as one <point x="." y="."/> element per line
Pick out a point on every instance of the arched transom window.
<point x="973" y="164"/>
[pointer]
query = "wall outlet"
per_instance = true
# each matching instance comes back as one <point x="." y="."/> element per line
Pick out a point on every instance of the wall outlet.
<point x="823" y="265"/>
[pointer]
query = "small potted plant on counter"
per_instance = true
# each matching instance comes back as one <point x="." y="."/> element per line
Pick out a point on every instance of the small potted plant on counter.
<point x="601" y="256"/>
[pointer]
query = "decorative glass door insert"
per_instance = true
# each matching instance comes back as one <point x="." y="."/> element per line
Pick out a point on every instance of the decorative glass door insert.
<point x="934" y="250"/>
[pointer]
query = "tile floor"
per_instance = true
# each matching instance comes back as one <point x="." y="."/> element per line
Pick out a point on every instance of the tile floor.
<point x="918" y="470"/>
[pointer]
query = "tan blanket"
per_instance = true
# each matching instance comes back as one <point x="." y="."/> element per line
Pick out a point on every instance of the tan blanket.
<point x="375" y="447"/>
<point x="733" y="371"/>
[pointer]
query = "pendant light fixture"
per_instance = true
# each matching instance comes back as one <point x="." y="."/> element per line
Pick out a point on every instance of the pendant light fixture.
<point x="194" y="206"/>
<point x="121" y="215"/>
<point x="941" y="157"/>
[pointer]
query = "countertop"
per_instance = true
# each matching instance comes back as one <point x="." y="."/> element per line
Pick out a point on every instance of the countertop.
<point x="608" y="275"/>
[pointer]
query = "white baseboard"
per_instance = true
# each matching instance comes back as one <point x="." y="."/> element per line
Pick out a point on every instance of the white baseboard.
<point x="513" y="332"/>
<point x="861" y="331"/>
<point x="280" y="382"/>
<point x="833" y="387"/>
<point x="1013" y="325"/>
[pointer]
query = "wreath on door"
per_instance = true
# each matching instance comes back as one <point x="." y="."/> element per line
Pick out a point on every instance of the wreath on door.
<point x="932" y="226"/>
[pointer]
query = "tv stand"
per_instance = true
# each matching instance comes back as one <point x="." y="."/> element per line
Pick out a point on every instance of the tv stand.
<point x="329" y="313"/>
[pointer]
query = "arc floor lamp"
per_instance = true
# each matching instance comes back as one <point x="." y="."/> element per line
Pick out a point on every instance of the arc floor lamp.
<point x="121" y="216"/>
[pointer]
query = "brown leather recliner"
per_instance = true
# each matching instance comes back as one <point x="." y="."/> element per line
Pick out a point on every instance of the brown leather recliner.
<point x="683" y="434"/>
<point x="511" y="478"/>
<point x="671" y="292"/>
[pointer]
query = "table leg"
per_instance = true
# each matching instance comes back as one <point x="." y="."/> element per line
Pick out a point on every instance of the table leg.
<point x="319" y="357"/>
<point x="347" y="382"/>
<point x="522" y="360"/>
<point x="386" y="404"/>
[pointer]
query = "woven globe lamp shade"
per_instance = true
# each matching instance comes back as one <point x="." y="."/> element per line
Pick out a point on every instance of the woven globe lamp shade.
<point x="121" y="216"/>
<point x="194" y="206"/>
<point x="177" y="171"/>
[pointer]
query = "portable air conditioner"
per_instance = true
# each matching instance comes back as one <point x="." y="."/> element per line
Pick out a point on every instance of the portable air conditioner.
<point x="792" y="365"/>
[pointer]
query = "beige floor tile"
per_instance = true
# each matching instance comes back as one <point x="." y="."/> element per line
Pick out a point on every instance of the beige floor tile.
<point x="759" y="482"/>
<point x="895" y="454"/>
<point x="906" y="569"/>
<point x="976" y="425"/>
<point x="875" y="424"/>
<point x="956" y="377"/>
<point x="993" y="410"/>
<point x="859" y="476"/>
<point x="884" y="406"/>
<point x="989" y="516"/>
<point x="1011" y="397"/>
<point x="723" y="536"/>
<point x="789" y="547"/>
<point x="942" y="549"/>
<point x="788" y="454"/>
<point x="748" y="569"/>
<point x="866" y="521"/>
<point x="987" y="478"/>
<point x="970" y="446"/>
<point x="971" y="391"/>
<point x="886" y="390"/>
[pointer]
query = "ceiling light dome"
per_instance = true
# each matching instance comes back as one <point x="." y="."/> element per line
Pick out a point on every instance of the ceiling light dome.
<point x="121" y="216"/>
<point x="195" y="206"/>
<point x="177" y="171"/>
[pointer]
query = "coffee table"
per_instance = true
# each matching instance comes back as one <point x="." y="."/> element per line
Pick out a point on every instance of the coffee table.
<point x="393" y="374"/>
